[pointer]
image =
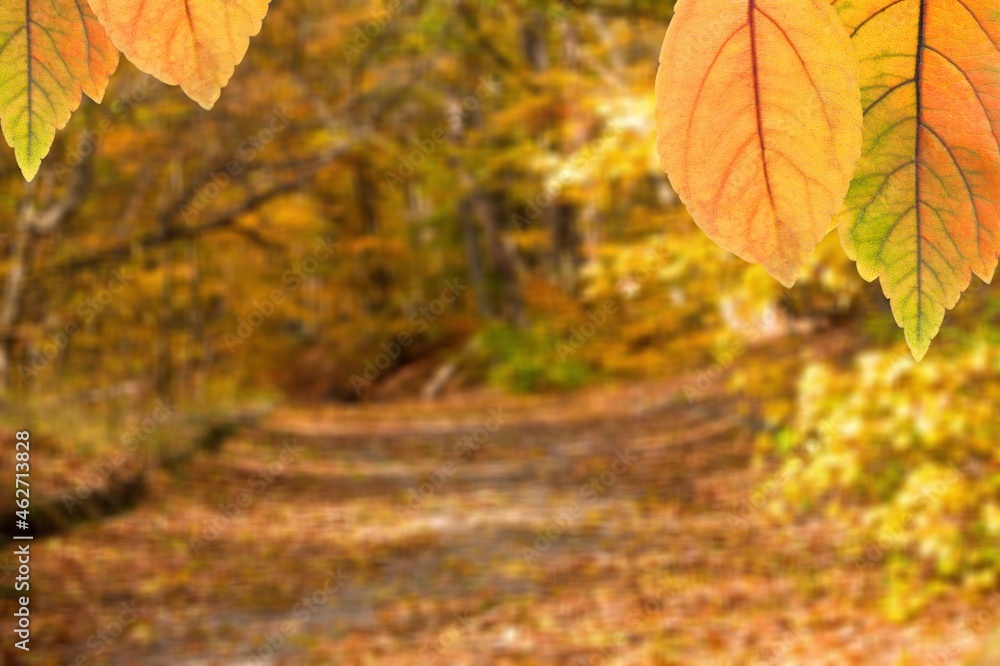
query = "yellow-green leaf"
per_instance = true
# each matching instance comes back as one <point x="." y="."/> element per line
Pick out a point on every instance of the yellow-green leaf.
<point x="51" y="51"/>
<point x="192" y="43"/>
<point x="921" y="214"/>
<point x="759" y="123"/>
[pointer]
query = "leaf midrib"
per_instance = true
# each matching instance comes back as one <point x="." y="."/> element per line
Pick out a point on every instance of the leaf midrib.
<point x="751" y="7"/>
<point x="918" y="75"/>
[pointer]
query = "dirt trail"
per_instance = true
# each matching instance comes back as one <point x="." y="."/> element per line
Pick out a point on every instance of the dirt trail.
<point x="645" y="569"/>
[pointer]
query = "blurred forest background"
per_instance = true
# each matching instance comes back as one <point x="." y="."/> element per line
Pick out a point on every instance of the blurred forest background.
<point x="315" y="377"/>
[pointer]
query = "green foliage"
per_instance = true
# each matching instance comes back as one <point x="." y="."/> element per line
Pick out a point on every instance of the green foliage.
<point x="525" y="360"/>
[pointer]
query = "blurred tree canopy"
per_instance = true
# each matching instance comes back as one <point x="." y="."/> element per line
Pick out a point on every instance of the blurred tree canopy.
<point x="505" y="145"/>
<point x="365" y="155"/>
<point x="405" y="198"/>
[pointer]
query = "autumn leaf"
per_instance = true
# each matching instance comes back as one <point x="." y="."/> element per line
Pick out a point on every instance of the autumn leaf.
<point x="921" y="214"/>
<point x="51" y="51"/>
<point x="192" y="43"/>
<point x="759" y="123"/>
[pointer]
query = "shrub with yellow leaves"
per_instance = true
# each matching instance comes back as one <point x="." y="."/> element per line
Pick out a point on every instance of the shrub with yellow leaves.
<point x="905" y="454"/>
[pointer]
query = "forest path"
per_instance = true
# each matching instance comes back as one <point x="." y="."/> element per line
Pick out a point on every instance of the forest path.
<point x="647" y="569"/>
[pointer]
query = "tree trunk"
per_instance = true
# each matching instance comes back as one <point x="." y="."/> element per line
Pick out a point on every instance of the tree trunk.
<point x="473" y="259"/>
<point x="31" y="224"/>
<point x="501" y="257"/>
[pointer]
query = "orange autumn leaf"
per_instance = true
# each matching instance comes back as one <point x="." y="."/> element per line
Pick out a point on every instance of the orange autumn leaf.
<point x="51" y="52"/>
<point x="196" y="44"/>
<point x="922" y="213"/>
<point x="759" y="123"/>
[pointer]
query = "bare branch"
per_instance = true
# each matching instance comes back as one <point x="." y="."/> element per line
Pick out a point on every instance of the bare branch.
<point x="224" y="221"/>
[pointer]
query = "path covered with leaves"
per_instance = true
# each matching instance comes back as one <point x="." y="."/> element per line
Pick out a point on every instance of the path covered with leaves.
<point x="301" y="542"/>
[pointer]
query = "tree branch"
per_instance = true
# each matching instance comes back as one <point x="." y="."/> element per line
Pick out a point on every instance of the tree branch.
<point x="223" y="221"/>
